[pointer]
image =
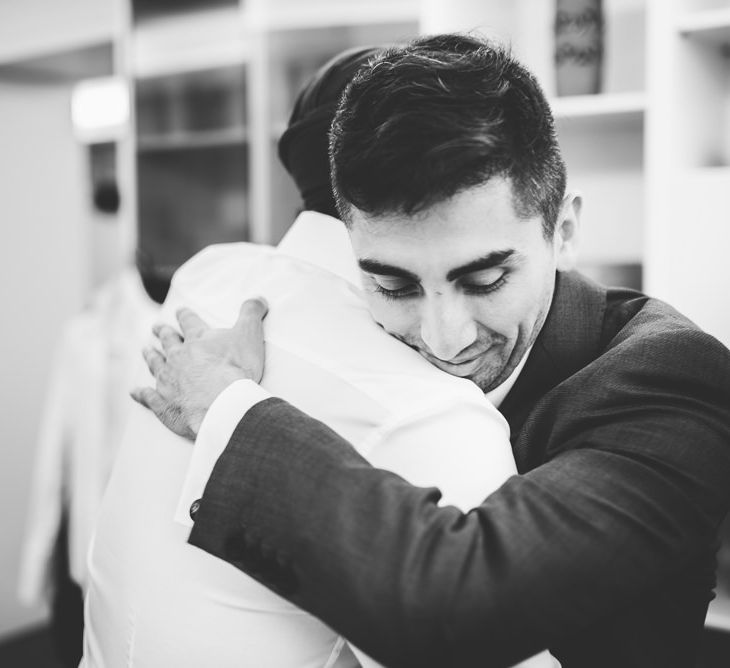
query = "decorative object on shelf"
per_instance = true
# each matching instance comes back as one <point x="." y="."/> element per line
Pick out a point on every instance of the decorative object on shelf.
<point x="578" y="46"/>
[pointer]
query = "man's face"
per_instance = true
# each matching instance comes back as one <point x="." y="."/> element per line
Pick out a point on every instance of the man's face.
<point x="467" y="283"/>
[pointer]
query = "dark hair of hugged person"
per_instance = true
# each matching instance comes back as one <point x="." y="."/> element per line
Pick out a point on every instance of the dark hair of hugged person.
<point x="304" y="145"/>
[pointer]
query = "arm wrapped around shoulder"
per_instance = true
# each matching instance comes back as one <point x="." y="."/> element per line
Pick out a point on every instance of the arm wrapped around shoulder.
<point x="621" y="517"/>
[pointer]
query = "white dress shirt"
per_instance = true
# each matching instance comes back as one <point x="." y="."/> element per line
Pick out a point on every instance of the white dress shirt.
<point x="153" y="599"/>
<point x="86" y="407"/>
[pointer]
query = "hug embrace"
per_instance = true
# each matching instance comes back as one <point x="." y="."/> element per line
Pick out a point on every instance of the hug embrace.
<point x="420" y="437"/>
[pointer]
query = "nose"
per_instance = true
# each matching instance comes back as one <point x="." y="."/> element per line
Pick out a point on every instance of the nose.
<point x="447" y="326"/>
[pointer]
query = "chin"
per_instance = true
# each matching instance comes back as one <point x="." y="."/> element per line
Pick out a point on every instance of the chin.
<point x="490" y="377"/>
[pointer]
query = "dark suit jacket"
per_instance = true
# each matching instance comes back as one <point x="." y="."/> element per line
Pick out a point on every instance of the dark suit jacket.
<point x="602" y="550"/>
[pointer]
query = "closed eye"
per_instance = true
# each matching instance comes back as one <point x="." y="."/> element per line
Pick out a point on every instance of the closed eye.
<point x="395" y="288"/>
<point x="485" y="285"/>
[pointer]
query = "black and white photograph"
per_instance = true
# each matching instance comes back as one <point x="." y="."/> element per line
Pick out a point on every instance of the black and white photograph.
<point x="365" y="333"/>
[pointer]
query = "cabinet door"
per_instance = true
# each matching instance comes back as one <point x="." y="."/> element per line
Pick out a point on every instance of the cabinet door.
<point x="192" y="166"/>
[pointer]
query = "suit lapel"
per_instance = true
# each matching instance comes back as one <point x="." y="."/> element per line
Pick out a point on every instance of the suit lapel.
<point x="568" y="341"/>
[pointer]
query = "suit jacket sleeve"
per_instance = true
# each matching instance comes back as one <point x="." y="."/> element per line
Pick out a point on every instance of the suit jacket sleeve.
<point x="634" y="486"/>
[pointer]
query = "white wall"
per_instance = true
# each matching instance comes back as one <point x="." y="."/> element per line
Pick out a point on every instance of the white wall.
<point x="43" y="279"/>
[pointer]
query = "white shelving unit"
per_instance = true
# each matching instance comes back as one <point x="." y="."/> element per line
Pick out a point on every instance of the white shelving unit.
<point x="688" y="200"/>
<point x="295" y="49"/>
<point x="189" y="140"/>
<point x="602" y="107"/>
<point x="277" y="44"/>
<point x="688" y="174"/>
<point x="199" y="40"/>
<point x="602" y="136"/>
<point x="293" y="15"/>
<point x="710" y="25"/>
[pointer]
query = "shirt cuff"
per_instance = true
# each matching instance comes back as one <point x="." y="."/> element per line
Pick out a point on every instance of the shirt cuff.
<point x="215" y="431"/>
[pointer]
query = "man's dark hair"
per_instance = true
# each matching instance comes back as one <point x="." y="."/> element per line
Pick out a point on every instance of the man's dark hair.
<point x="425" y="121"/>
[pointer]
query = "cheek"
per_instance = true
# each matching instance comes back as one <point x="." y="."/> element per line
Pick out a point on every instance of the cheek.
<point x="509" y="313"/>
<point x="396" y="317"/>
<point x="499" y="317"/>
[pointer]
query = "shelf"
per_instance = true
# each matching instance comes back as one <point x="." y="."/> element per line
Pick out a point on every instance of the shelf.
<point x="192" y="140"/>
<point x="599" y="107"/>
<point x="710" y="26"/>
<point x="146" y="10"/>
<point x="326" y="14"/>
<point x="718" y="615"/>
<point x="715" y="179"/>
<point x="187" y="42"/>
<point x="599" y="115"/>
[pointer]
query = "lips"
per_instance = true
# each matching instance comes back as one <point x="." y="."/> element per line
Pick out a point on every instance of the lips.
<point x="456" y="368"/>
<point x="465" y="361"/>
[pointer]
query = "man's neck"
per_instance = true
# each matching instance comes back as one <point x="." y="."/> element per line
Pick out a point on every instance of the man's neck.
<point x="497" y="395"/>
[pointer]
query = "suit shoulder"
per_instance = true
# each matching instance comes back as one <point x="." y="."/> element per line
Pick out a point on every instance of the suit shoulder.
<point x="652" y="321"/>
<point x="658" y="382"/>
<point x="658" y="340"/>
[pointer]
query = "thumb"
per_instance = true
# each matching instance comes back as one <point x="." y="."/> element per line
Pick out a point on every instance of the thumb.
<point x="250" y="319"/>
<point x="252" y="309"/>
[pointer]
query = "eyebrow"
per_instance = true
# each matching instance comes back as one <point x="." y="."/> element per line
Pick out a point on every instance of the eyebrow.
<point x="375" y="267"/>
<point x="487" y="261"/>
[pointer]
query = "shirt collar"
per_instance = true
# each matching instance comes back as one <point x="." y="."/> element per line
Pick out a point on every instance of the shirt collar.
<point x="324" y="242"/>
<point x="497" y="395"/>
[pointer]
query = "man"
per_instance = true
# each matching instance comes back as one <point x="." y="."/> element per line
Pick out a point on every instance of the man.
<point x="154" y="600"/>
<point x="449" y="178"/>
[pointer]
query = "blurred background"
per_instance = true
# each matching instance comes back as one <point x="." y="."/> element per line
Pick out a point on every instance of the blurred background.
<point x="135" y="132"/>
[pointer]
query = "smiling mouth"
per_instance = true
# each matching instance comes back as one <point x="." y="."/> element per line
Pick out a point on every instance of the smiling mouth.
<point x="456" y="365"/>
<point x="460" y="366"/>
<point x="460" y="363"/>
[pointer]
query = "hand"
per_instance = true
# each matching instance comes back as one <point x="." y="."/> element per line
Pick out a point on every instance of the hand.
<point x="196" y="366"/>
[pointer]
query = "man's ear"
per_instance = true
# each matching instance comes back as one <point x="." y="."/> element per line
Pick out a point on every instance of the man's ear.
<point x="566" y="232"/>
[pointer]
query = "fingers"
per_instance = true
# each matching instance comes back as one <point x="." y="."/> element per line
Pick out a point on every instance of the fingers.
<point x="257" y="307"/>
<point x="164" y="411"/>
<point x="250" y="324"/>
<point x="191" y="324"/>
<point x="155" y="360"/>
<point x="251" y="315"/>
<point x="169" y="337"/>
<point x="149" y="398"/>
<point x="249" y="333"/>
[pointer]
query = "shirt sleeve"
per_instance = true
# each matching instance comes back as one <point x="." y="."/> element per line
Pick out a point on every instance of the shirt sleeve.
<point x="215" y="431"/>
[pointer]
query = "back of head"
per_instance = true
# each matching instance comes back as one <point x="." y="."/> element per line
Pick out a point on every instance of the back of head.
<point x="304" y="145"/>
<point x="425" y="121"/>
